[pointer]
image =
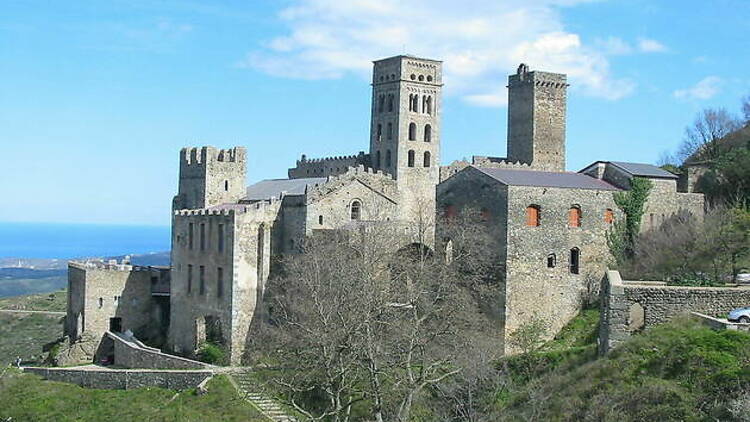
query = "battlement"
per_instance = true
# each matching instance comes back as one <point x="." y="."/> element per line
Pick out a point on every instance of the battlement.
<point x="199" y="156"/>
<point x="109" y="265"/>
<point x="538" y="78"/>
<point x="230" y="210"/>
<point x="305" y="160"/>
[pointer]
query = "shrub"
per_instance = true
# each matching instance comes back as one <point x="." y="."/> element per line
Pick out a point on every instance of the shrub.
<point x="211" y="353"/>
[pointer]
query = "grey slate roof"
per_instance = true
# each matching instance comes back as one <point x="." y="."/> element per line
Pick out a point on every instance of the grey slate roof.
<point x="645" y="170"/>
<point x="273" y="187"/>
<point x="545" y="179"/>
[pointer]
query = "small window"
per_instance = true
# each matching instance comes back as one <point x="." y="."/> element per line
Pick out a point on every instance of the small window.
<point x="220" y="238"/>
<point x="154" y="280"/>
<point x="421" y="78"/>
<point x="551" y="260"/>
<point x="379" y="133"/>
<point x="203" y="236"/>
<point x="320" y="219"/>
<point x="574" y="216"/>
<point x="226" y="185"/>
<point x="427" y="159"/>
<point x="190" y="278"/>
<point x="202" y="280"/>
<point x="389" y="132"/>
<point x="219" y="282"/>
<point x="381" y="101"/>
<point x="410" y="158"/>
<point x="429" y="78"/>
<point x="533" y="214"/>
<point x="388" y="158"/>
<point x="575" y="260"/>
<point x="190" y="236"/>
<point x="101" y="302"/>
<point x="413" y="76"/>
<point x="427" y="133"/>
<point x="412" y="131"/>
<point x="377" y="159"/>
<point x="356" y="210"/>
<point x="609" y="216"/>
<point x="414" y="106"/>
<point x="390" y="102"/>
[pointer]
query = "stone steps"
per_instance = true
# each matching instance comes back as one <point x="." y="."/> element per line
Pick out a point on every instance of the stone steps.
<point x="249" y="390"/>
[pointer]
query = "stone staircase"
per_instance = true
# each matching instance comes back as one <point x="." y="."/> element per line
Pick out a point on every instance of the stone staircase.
<point x="249" y="390"/>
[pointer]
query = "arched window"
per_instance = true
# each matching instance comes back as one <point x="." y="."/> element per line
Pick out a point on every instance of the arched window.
<point x="381" y="103"/>
<point x="551" y="260"/>
<point x="421" y="78"/>
<point x="390" y="102"/>
<point x="377" y="159"/>
<point x="427" y="133"/>
<point x="411" y="158"/>
<point x="412" y="131"/>
<point x="533" y="215"/>
<point x="379" y="133"/>
<point x="424" y="104"/>
<point x="411" y="98"/>
<point x="226" y="185"/>
<point x="101" y="302"/>
<point x="388" y="158"/>
<point x="575" y="260"/>
<point x="609" y="216"/>
<point x="389" y="133"/>
<point x="320" y="219"/>
<point x="426" y="159"/>
<point x="415" y="103"/>
<point x="574" y="216"/>
<point x="356" y="210"/>
<point x="429" y="105"/>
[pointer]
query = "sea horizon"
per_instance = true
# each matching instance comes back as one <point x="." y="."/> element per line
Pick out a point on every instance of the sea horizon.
<point x="50" y="240"/>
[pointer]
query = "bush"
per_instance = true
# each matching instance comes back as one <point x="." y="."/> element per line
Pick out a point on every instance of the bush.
<point x="211" y="353"/>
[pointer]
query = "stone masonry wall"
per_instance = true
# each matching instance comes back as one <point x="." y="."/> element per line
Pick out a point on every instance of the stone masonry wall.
<point x="123" y="379"/>
<point x="130" y="353"/>
<point x="535" y="291"/>
<point x="629" y="306"/>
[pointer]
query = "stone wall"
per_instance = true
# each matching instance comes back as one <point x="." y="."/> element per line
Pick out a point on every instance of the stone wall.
<point x="99" y="292"/>
<point x="630" y="306"/>
<point x="123" y="379"/>
<point x="131" y="353"/>
<point x="328" y="166"/>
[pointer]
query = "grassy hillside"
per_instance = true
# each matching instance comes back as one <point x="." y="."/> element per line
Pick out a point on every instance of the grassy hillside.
<point x="25" y="334"/>
<point x="25" y="286"/>
<point x="28" y="398"/>
<point x="677" y="371"/>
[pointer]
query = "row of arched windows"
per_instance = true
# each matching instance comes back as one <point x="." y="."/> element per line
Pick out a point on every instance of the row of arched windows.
<point x="426" y="103"/>
<point x="387" y="158"/>
<point x="426" y="160"/>
<point x="385" y="101"/>
<point x="534" y="216"/>
<point x="427" y="136"/>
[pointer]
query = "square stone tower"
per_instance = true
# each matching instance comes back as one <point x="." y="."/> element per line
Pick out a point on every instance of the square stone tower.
<point x="210" y="176"/>
<point x="536" y="118"/>
<point x="405" y="129"/>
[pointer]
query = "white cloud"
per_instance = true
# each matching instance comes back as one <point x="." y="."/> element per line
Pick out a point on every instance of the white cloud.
<point x="647" y="45"/>
<point x="614" y="46"/>
<point x="705" y="89"/>
<point x="480" y="42"/>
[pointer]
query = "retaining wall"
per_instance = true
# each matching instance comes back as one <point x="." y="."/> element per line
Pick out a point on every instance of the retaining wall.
<point x="630" y="306"/>
<point x="131" y="353"/>
<point x="123" y="379"/>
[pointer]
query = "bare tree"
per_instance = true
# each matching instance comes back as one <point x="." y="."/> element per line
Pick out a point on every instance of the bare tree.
<point x="746" y="109"/>
<point x="702" y="138"/>
<point x="366" y="321"/>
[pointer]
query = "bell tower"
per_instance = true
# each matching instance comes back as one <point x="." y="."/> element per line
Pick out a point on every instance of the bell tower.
<point x="405" y="127"/>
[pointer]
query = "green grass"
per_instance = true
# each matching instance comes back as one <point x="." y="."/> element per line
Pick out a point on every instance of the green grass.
<point x="24" y="335"/>
<point x="10" y="287"/>
<point x="677" y="371"/>
<point x="55" y="301"/>
<point x="28" y="398"/>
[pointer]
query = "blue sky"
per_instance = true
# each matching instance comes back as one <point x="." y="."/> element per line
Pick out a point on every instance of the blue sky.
<point x="97" y="97"/>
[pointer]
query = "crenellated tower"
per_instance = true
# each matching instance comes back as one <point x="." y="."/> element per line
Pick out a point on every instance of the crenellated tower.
<point x="536" y="118"/>
<point x="210" y="176"/>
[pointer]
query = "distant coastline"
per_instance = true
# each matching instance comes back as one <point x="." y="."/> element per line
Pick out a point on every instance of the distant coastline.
<point x="67" y="241"/>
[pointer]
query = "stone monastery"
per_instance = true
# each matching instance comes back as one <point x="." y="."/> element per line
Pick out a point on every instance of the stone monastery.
<point x="549" y="223"/>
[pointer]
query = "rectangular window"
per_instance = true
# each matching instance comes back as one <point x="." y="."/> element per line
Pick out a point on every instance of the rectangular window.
<point x="203" y="237"/>
<point x="202" y="280"/>
<point x="190" y="279"/>
<point x="220" y="239"/>
<point x="219" y="282"/>
<point x="190" y="236"/>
